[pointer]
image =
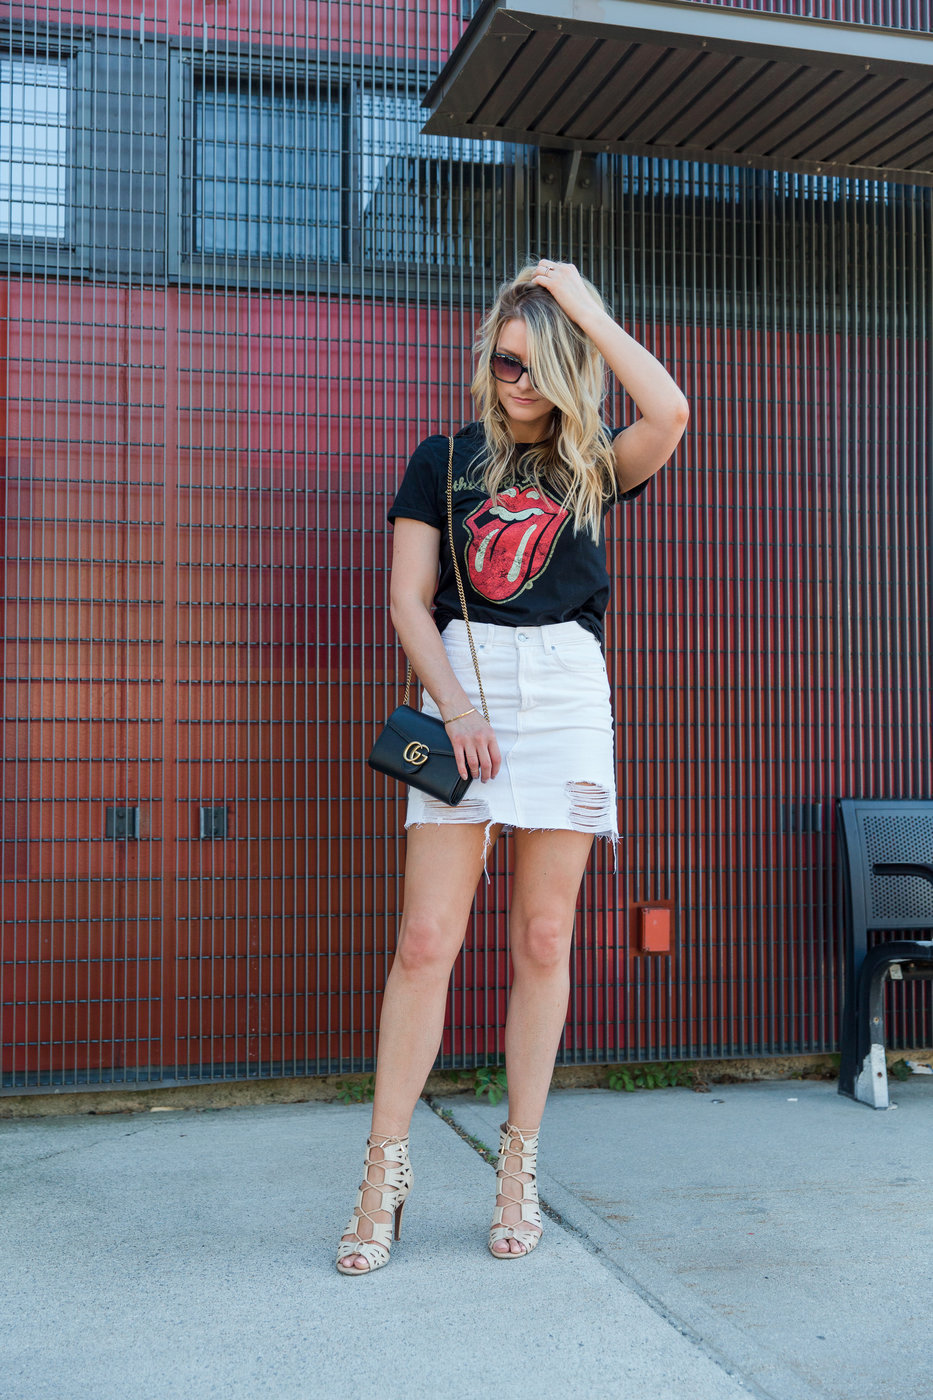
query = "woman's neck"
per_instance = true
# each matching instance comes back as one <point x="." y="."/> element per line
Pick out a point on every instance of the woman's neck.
<point x="530" y="434"/>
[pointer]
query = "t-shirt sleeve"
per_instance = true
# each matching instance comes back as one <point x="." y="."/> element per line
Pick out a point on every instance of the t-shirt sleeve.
<point x="417" y="497"/>
<point x="636" y="490"/>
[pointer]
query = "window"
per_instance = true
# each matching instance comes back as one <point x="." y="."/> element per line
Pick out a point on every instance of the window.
<point x="291" y="173"/>
<point x="267" y="171"/>
<point x="423" y="199"/>
<point x="33" y="148"/>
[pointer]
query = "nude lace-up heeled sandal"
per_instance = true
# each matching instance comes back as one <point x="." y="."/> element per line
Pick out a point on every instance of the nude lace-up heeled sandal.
<point x="391" y="1175"/>
<point x="518" y="1161"/>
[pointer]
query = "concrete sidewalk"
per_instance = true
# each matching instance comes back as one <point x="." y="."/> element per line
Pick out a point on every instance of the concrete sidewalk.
<point x="789" y="1228"/>
<point x="190" y="1253"/>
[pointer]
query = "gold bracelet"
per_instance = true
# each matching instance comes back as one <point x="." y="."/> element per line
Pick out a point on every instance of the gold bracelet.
<point x="465" y="712"/>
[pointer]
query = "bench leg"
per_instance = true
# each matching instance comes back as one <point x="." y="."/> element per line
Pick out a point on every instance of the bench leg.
<point x="863" y="1071"/>
<point x="871" y="1086"/>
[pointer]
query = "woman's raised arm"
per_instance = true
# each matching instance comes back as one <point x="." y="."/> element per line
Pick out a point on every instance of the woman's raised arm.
<point x="645" y="445"/>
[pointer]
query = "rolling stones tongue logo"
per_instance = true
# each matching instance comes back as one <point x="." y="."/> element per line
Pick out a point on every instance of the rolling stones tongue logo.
<point x="511" y="541"/>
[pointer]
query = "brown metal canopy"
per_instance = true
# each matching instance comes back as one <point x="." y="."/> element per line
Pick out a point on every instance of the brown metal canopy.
<point x="692" y="81"/>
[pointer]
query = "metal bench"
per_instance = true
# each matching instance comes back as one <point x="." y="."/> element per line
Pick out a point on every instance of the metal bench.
<point x="886" y="852"/>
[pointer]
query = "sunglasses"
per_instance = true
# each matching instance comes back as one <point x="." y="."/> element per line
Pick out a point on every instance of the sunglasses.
<point x="508" y="369"/>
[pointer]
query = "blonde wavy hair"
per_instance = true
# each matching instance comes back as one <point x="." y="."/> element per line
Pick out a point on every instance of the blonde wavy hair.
<point x="576" y="461"/>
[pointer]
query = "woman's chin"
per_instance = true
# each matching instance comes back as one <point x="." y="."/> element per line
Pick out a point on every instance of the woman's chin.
<point x="525" y="416"/>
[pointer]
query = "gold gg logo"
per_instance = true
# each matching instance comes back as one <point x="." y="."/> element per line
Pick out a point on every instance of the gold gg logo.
<point x="416" y="754"/>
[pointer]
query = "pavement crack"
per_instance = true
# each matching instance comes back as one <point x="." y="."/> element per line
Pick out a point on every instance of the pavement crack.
<point x="74" y="1147"/>
<point x="480" y="1148"/>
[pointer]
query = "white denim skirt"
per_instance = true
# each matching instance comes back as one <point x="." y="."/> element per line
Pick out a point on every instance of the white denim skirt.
<point x="548" y="696"/>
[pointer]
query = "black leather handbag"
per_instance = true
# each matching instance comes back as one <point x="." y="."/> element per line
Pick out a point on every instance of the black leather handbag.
<point x="414" y="747"/>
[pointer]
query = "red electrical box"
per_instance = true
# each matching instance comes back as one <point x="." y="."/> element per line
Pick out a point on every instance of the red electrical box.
<point x="654" y="929"/>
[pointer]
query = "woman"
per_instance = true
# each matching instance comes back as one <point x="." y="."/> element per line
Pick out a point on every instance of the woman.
<point x="532" y="481"/>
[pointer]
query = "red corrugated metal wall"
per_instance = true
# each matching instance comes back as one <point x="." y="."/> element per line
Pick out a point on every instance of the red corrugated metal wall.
<point x="196" y="467"/>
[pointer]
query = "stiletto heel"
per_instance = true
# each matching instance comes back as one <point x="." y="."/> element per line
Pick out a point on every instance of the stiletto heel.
<point x="527" y="1153"/>
<point x="394" y="1187"/>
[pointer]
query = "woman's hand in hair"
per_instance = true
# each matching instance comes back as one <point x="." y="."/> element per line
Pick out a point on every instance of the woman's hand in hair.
<point x="475" y="747"/>
<point x="568" y="289"/>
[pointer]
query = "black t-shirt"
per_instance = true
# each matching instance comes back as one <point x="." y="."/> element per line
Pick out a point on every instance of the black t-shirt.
<point x="520" y="560"/>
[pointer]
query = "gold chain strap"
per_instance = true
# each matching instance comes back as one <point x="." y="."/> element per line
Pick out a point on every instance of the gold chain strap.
<point x="453" y="555"/>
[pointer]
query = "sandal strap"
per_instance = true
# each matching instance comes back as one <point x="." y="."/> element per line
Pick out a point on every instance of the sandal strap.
<point x="529" y="1238"/>
<point x="373" y="1251"/>
<point x="393" y="1190"/>
<point x="529" y="1209"/>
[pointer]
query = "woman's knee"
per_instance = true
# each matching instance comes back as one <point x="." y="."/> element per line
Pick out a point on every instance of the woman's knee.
<point x="542" y="945"/>
<point x="425" y="946"/>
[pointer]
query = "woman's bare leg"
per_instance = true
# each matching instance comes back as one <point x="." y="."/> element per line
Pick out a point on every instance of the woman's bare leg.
<point x="549" y="866"/>
<point x="443" y="864"/>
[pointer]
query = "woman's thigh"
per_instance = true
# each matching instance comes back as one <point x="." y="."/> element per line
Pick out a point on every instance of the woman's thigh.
<point x="443" y="864"/>
<point x="549" y="866"/>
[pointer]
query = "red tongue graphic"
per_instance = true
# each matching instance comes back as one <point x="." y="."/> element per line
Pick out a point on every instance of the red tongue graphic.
<point x="512" y="541"/>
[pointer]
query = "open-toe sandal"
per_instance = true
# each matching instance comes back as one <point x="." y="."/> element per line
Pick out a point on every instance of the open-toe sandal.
<point x="518" y="1162"/>
<point x="387" y="1175"/>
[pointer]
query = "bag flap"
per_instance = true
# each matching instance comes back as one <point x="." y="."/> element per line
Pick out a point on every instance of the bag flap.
<point x="412" y="726"/>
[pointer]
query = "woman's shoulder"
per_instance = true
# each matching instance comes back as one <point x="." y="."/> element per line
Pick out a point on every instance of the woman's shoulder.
<point x="437" y="446"/>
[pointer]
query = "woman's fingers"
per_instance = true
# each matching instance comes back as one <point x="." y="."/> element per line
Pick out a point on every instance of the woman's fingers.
<point x="472" y="761"/>
<point x="466" y="755"/>
<point x="566" y="286"/>
<point x="476" y="760"/>
<point x="477" y="753"/>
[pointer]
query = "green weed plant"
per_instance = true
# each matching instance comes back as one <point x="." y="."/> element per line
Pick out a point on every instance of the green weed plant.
<point x="356" y="1091"/>
<point x="491" y="1082"/>
<point x="667" y="1076"/>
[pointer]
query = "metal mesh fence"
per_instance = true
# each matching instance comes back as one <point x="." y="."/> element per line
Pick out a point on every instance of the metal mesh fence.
<point x="237" y="286"/>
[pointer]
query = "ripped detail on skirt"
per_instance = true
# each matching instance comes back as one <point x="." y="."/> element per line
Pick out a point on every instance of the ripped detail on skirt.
<point x="589" y="810"/>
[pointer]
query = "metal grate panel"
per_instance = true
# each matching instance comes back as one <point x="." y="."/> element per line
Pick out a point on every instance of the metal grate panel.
<point x="200" y="437"/>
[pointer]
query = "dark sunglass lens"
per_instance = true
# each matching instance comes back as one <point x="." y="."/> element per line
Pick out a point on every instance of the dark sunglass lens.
<point x="507" y="368"/>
